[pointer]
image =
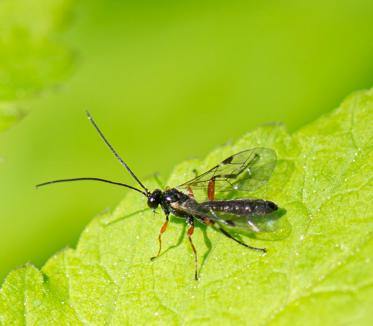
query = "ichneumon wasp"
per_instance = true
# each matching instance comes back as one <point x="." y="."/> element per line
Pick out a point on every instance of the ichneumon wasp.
<point x="243" y="171"/>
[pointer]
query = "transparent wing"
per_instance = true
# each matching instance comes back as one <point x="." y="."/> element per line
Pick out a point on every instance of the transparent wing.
<point x="271" y="226"/>
<point x="247" y="170"/>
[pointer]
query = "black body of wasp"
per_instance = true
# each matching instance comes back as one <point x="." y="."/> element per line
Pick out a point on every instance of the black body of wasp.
<point x="243" y="171"/>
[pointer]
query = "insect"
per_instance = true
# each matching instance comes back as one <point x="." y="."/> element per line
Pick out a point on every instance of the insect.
<point x="244" y="171"/>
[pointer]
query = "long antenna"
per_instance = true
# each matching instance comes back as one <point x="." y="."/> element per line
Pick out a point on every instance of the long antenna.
<point x="91" y="179"/>
<point x="115" y="152"/>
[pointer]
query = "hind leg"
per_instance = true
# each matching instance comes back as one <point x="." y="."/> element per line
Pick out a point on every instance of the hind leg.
<point x="190" y="221"/>
<point x="240" y="242"/>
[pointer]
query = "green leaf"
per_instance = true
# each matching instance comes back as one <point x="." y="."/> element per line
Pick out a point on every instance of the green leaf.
<point x="322" y="273"/>
<point x="9" y="114"/>
<point x="32" y="58"/>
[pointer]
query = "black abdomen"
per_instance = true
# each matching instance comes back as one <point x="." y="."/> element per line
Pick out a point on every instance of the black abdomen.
<point x="241" y="207"/>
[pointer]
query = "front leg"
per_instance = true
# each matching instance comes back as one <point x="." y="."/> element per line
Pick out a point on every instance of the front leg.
<point x="190" y="221"/>
<point x="161" y="231"/>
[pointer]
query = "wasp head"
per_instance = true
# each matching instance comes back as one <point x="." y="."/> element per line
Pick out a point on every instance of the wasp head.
<point x="155" y="198"/>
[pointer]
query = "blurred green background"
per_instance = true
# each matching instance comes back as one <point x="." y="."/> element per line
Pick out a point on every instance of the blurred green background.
<point x="168" y="81"/>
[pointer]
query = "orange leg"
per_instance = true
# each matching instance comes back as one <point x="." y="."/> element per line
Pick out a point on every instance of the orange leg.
<point x="211" y="189"/>
<point x="207" y="221"/>
<point x="190" y="233"/>
<point x="161" y="231"/>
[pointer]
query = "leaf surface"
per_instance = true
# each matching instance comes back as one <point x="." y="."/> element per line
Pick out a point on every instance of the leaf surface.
<point x="321" y="273"/>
